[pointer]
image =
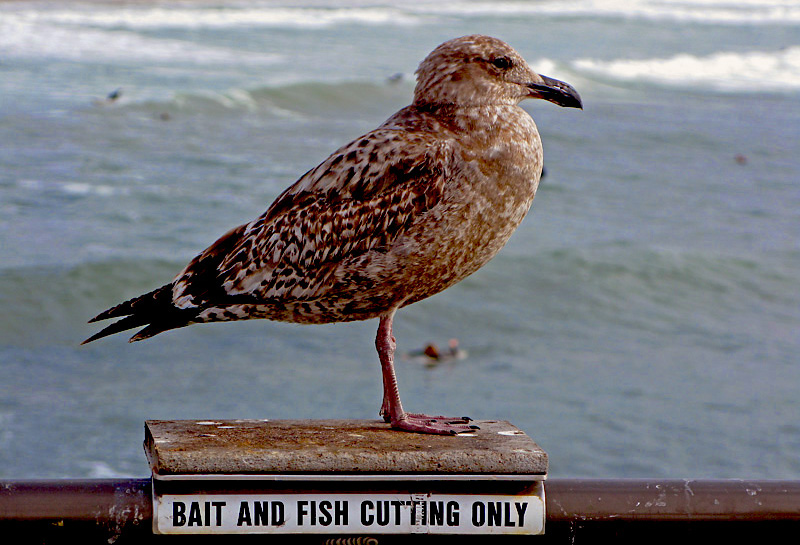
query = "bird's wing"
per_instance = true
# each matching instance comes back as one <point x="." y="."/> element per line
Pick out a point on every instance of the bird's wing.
<point x="360" y="199"/>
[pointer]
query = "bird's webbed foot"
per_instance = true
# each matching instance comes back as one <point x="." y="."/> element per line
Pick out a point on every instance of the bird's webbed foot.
<point x="436" y="425"/>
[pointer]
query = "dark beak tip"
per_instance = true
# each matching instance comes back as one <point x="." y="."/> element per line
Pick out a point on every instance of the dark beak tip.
<point x="558" y="92"/>
<point x="566" y="98"/>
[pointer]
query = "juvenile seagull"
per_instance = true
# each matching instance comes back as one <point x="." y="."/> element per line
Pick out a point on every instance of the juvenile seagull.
<point x="391" y="218"/>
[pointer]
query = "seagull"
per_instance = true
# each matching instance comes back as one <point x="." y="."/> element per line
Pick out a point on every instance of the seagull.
<point x="395" y="216"/>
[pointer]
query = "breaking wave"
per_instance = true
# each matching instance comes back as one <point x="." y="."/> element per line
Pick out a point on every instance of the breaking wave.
<point x="303" y="100"/>
<point x="23" y="38"/>
<point x="314" y="15"/>
<point x="740" y="12"/>
<point x="748" y="72"/>
<point x="229" y="16"/>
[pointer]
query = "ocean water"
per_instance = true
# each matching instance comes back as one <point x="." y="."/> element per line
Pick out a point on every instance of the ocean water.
<point x="644" y="321"/>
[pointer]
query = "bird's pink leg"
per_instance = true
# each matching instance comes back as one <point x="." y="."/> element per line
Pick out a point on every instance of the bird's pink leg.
<point x="386" y="344"/>
<point x="392" y="409"/>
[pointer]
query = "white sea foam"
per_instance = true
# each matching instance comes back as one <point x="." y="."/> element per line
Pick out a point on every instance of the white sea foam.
<point x="82" y="188"/>
<point x="747" y="12"/>
<point x="748" y="72"/>
<point x="22" y="36"/>
<point x="149" y="17"/>
<point x="396" y="12"/>
<point x="71" y="188"/>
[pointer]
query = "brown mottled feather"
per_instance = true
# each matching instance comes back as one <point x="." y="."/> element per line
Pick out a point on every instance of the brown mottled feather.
<point x="340" y="210"/>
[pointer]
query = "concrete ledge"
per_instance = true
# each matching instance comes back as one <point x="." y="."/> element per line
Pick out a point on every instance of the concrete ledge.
<point x="223" y="447"/>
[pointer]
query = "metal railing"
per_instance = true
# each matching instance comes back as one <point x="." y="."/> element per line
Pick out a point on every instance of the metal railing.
<point x="578" y="510"/>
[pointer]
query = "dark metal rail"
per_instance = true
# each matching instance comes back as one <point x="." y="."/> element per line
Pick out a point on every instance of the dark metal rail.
<point x="672" y="500"/>
<point x="578" y="510"/>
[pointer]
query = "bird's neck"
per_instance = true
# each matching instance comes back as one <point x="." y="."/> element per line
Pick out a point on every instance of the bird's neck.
<point x="475" y="120"/>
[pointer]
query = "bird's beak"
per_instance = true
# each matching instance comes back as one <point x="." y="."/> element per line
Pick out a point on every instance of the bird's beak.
<point x="557" y="92"/>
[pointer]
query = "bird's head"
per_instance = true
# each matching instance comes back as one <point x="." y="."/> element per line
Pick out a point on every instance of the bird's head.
<point x="475" y="70"/>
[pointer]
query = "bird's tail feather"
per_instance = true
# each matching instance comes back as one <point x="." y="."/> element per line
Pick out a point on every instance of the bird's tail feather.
<point x="153" y="310"/>
<point x="148" y="301"/>
<point x="129" y="322"/>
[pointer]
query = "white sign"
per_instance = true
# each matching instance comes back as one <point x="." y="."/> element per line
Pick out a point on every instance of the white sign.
<point x="348" y="514"/>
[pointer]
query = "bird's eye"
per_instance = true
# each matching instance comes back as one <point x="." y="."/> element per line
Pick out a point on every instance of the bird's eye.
<point x="502" y="63"/>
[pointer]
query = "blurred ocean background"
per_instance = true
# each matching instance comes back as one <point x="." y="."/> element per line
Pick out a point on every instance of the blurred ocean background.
<point x="643" y="322"/>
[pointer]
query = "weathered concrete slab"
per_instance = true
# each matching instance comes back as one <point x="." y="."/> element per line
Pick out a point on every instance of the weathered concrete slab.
<point x="220" y="447"/>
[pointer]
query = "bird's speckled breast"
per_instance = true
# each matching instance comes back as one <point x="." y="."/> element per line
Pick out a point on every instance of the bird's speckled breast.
<point x="491" y="182"/>
<point x="500" y="165"/>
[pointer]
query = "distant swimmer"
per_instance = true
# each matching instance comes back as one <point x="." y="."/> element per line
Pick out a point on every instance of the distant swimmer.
<point x="111" y="98"/>
<point x="432" y="355"/>
<point x="395" y="78"/>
